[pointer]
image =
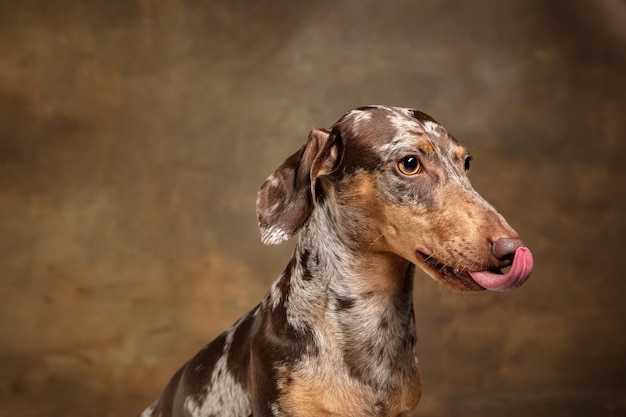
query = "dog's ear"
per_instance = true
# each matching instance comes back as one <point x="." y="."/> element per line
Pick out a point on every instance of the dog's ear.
<point x="287" y="198"/>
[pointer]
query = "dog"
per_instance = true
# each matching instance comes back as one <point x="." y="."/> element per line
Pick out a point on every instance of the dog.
<point x="382" y="191"/>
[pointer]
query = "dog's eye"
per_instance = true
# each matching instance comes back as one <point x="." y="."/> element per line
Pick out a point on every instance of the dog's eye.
<point x="467" y="164"/>
<point x="409" y="165"/>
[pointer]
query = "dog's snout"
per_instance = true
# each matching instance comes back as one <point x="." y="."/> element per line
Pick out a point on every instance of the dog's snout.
<point x="504" y="248"/>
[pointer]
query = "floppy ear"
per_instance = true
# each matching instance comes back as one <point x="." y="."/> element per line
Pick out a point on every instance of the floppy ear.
<point x="287" y="198"/>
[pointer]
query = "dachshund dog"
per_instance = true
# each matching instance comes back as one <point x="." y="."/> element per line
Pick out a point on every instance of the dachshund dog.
<point x="383" y="190"/>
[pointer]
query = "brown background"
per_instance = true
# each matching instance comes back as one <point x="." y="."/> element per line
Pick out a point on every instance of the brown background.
<point x="135" y="134"/>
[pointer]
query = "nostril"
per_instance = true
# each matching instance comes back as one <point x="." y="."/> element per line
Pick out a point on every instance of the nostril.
<point x="504" y="248"/>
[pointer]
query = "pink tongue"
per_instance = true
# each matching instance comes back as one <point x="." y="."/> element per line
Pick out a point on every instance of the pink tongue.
<point x="518" y="274"/>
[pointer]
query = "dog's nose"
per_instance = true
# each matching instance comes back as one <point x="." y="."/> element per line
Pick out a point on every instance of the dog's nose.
<point x="504" y="248"/>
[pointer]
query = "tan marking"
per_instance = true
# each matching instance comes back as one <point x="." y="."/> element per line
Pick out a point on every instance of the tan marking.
<point x="461" y="153"/>
<point x="366" y="202"/>
<point x="361" y="194"/>
<point x="426" y="147"/>
<point x="390" y="227"/>
<point x="456" y="238"/>
<point x="338" y="395"/>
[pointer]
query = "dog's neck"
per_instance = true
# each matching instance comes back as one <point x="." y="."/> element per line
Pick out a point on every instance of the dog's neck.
<point x="365" y="299"/>
<point x="333" y="249"/>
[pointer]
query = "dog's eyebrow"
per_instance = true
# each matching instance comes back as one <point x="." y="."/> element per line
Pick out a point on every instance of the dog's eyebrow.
<point x="407" y="143"/>
<point x="423" y="146"/>
<point x="461" y="153"/>
<point x="426" y="147"/>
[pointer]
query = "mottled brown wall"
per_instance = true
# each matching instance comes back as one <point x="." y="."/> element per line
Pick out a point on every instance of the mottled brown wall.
<point x="134" y="136"/>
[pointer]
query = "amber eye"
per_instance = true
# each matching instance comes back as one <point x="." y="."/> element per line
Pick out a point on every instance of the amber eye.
<point x="409" y="165"/>
<point x="467" y="164"/>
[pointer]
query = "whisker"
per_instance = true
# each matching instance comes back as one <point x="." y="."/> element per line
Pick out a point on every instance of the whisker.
<point x="372" y="243"/>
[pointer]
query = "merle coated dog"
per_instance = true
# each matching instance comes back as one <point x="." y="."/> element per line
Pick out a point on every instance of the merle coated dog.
<point x="381" y="191"/>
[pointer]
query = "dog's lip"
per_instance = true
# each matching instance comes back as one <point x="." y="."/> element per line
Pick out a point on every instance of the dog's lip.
<point x="483" y="277"/>
<point x="448" y="273"/>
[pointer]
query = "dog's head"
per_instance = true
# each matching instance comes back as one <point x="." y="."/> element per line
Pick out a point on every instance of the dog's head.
<point x="398" y="184"/>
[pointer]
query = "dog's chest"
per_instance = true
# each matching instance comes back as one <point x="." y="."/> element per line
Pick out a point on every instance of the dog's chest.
<point x="327" y="384"/>
<point x="306" y="393"/>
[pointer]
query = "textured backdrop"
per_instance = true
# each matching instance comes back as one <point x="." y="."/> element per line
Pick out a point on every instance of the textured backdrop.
<point x="135" y="134"/>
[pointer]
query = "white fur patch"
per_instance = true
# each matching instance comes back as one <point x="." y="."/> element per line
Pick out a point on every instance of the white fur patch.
<point x="432" y="128"/>
<point x="148" y="411"/>
<point x="273" y="181"/>
<point x="360" y="116"/>
<point x="225" y="396"/>
<point x="407" y="128"/>
<point x="395" y="145"/>
<point x="274" y="235"/>
<point x="403" y="122"/>
<point x="275" y="295"/>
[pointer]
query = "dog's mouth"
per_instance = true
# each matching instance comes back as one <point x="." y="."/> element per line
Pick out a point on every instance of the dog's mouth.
<point x="493" y="279"/>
